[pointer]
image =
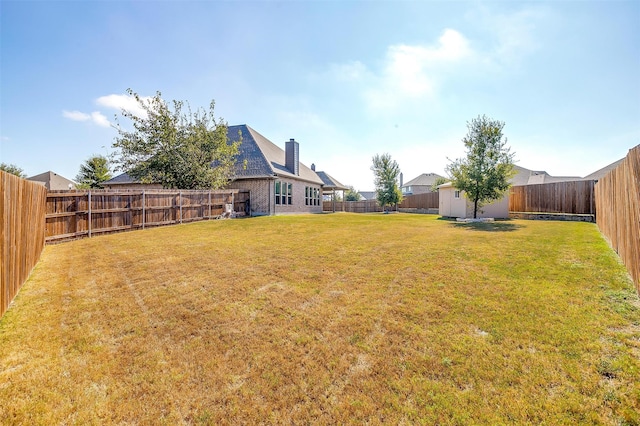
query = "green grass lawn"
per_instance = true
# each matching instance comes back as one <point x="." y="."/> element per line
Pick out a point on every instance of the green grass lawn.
<point x="326" y="319"/>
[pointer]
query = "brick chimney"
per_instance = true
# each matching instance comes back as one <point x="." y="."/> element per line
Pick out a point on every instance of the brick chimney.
<point x="292" y="156"/>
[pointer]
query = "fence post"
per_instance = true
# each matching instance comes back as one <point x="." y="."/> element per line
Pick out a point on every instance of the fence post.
<point x="180" y="202"/>
<point x="144" y="215"/>
<point x="209" y="217"/>
<point x="89" y="214"/>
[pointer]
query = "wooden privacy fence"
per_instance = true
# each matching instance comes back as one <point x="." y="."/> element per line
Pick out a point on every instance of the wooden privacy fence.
<point x="618" y="206"/>
<point x="428" y="200"/>
<point x="574" y="197"/>
<point x="413" y="202"/>
<point x="22" y="206"/>
<point x="78" y="214"/>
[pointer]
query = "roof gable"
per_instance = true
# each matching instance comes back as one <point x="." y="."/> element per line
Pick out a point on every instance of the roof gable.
<point x="53" y="181"/>
<point x="599" y="174"/>
<point x="426" y="179"/>
<point x="259" y="157"/>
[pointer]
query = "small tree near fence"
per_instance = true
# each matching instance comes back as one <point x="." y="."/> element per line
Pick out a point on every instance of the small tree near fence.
<point x="386" y="171"/>
<point x="485" y="172"/>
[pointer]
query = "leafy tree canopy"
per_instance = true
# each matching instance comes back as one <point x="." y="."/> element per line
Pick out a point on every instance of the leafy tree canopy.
<point x="93" y="172"/>
<point x="485" y="172"/>
<point x="439" y="181"/>
<point x="386" y="171"/>
<point x="13" y="169"/>
<point x="172" y="145"/>
<point x="351" y="194"/>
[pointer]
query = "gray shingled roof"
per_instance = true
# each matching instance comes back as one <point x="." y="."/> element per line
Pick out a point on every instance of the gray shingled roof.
<point x="263" y="158"/>
<point x="53" y="181"/>
<point x="368" y="195"/>
<point x="530" y="177"/>
<point x="121" y="179"/>
<point x="426" y="179"/>
<point x="330" y="183"/>
<point x="599" y="174"/>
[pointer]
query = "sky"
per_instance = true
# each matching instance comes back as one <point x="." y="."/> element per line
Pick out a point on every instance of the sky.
<point x="346" y="79"/>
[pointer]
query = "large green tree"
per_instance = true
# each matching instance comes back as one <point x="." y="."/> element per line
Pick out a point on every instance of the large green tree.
<point x="172" y="145"/>
<point x="485" y="171"/>
<point x="13" y="169"/>
<point x="386" y="171"/>
<point x="351" y="194"/>
<point x="93" y="172"/>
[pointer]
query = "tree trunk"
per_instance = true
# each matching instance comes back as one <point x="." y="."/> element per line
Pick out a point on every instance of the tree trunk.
<point x="475" y="208"/>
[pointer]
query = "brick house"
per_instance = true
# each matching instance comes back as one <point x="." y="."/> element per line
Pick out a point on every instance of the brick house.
<point x="279" y="183"/>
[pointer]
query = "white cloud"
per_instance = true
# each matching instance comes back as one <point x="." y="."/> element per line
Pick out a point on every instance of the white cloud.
<point x="513" y="35"/>
<point x="99" y="119"/>
<point x="352" y="71"/>
<point x="95" y="117"/>
<point x="76" y="115"/>
<point x="124" y="102"/>
<point x="414" y="71"/>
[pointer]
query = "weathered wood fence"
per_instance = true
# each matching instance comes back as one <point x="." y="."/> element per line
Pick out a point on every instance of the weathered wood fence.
<point x="428" y="200"/>
<point x="410" y="202"/>
<point x="575" y="197"/>
<point x="22" y="205"/>
<point x="618" y="206"/>
<point x="78" y="214"/>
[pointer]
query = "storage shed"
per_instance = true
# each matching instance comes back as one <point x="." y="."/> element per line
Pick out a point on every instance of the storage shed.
<point x="454" y="203"/>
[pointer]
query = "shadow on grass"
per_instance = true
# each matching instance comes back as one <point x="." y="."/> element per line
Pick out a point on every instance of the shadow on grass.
<point x="497" y="226"/>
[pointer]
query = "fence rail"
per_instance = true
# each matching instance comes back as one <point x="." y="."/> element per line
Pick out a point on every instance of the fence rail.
<point x="575" y="197"/>
<point x="618" y="205"/>
<point x="22" y="233"/>
<point x="78" y="214"/>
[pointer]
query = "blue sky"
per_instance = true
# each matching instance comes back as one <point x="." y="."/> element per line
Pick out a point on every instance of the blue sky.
<point x="347" y="79"/>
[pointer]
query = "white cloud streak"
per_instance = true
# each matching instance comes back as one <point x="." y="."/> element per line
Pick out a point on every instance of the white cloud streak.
<point x="99" y="119"/>
<point x="415" y="71"/>
<point x="76" y="115"/>
<point x="117" y="102"/>
<point x="95" y="117"/>
<point x="124" y="102"/>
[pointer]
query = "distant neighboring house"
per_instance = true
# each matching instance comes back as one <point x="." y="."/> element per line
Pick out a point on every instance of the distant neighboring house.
<point x="53" y="181"/>
<point x="599" y="174"/>
<point x="531" y="177"/>
<point x="367" y="195"/>
<point x="278" y="181"/>
<point x="421" y="184"/>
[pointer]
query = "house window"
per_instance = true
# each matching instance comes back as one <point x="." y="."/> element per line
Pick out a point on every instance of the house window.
<point x="456" y="194"/>
<point x="311" y="196"/>
<point x="284" y="192"/>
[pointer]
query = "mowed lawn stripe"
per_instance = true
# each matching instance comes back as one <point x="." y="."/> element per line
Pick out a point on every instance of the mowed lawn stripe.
<point x="341" y="318"/>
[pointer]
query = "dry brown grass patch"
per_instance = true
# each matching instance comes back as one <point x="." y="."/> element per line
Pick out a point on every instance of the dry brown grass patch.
<point x="327" y="319"/>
